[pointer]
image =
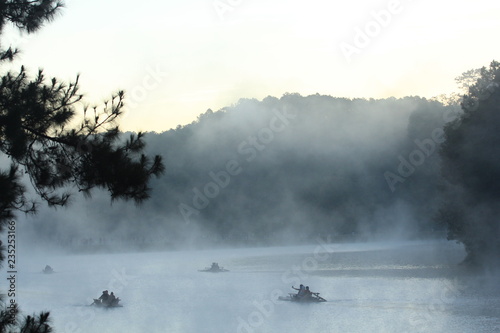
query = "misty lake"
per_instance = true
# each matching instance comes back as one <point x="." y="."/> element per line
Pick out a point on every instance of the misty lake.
<point x="411" y="286"/>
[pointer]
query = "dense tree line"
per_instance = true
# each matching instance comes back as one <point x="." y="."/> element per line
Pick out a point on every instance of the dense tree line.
<point x="471" y="165"/>
<point x="323" y="173"/>
<point x="291" y="168"/>
<point x="285" y="170"/>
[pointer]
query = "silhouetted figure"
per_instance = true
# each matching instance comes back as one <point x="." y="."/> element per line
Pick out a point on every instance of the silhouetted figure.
<point x="307" y="292"/>
<point x="301" y="290"/>
<point x="112" y="299"/>
<point x="104" y="297"/>
<point x="48" y="269"/>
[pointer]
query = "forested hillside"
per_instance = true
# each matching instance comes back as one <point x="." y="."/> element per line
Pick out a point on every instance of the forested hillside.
<point x="281" y="170"/>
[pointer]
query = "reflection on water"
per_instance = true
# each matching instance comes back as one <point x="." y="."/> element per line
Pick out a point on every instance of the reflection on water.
<point x="408" y="259"/>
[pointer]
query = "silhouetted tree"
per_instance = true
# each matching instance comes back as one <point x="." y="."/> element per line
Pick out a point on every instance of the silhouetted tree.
<point x="471" y="163"/>
<point x="38" y="135"/>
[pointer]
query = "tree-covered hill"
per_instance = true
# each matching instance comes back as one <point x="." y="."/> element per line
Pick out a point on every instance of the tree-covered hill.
<point x="284" y="169"/>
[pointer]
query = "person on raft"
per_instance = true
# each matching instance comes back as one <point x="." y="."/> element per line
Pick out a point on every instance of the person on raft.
<point x="105" y="297"/>
<point x="301" y="290"/>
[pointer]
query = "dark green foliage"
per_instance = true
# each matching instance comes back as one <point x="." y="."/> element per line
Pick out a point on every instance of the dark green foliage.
<point x="38" y="135"/>
<point x="37" y="324"/>
<point x="34" y="133"/>
<point x="471" y="163"/>
<point x="12" y="195"/>
<point x="11" y="322"/>
<point x="27" y="16"/>
<point x="7" y="315"/>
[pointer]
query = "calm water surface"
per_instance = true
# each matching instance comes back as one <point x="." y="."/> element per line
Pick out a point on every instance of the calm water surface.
<point x="370" y="287"/>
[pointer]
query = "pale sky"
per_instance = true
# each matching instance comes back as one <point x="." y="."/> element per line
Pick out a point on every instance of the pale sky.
<point x="176" y="59"/>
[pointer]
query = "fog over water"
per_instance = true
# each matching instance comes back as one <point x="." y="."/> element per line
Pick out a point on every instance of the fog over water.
<point x="337" y="194"/>
<point x="410" y="286"/>
<point x="328" y="150"/>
